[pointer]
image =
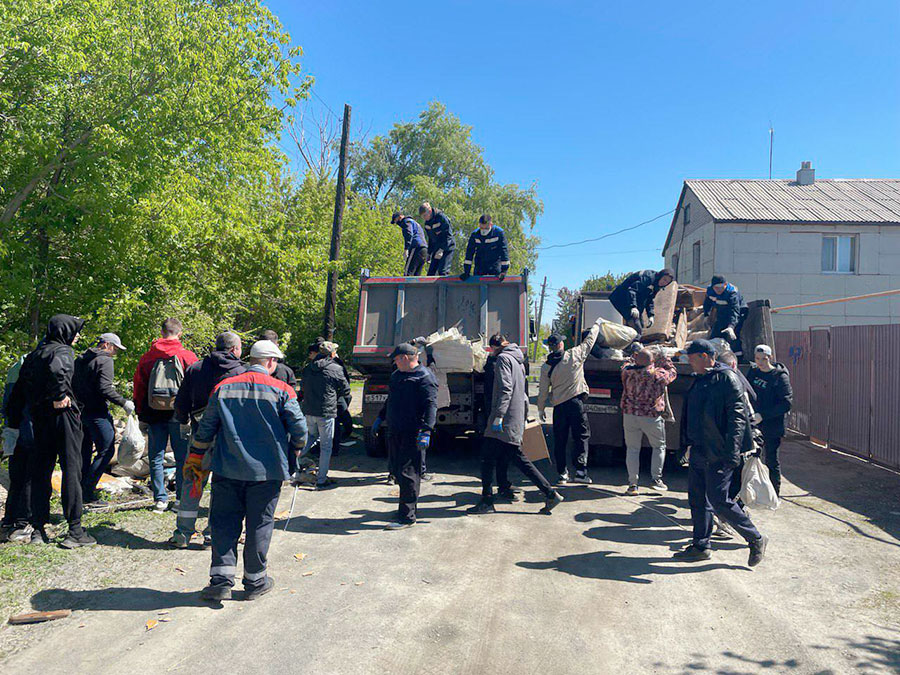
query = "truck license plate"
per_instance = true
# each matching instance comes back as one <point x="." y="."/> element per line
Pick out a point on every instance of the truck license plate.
<point x="601" y="408"/>
<point x="375" y="398"/>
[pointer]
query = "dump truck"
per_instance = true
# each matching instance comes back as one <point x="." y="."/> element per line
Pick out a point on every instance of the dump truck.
<point x="603" y="373"/>
<point x="399" y="309"/>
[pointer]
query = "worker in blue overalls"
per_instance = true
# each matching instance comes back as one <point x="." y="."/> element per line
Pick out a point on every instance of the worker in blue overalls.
<point x="731" y="311"/>
<point x="487" y="250"/>
<point x="413" y="243"/>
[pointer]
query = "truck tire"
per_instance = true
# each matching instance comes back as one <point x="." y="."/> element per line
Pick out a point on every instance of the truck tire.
<point x="375" y="445"/>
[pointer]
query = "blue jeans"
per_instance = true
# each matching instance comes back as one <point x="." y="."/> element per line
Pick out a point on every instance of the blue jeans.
<point x="321" y="428"/>
<point x="709" y="482"/>
<point x="100" y="434"/>
<point x="160" y="435"/>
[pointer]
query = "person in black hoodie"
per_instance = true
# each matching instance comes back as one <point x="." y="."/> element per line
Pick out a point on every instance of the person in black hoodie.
<point x="93" y="386"/>
<point x="634" y="296"/>
<point x="199" y="380"/>
<point x="283" y="371"/>
<point x="772" y="385"/>
<point x="16" y="525"/>
<point x="45" y="387"/>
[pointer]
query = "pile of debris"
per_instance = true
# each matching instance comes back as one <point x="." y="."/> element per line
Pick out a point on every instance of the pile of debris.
<point x="450" y="351"/>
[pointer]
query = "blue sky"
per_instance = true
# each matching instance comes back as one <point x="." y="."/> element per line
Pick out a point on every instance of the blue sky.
<point x="608" y="107"/>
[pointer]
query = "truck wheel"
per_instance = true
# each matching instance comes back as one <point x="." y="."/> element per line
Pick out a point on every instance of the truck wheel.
<point x="375" y="445"/>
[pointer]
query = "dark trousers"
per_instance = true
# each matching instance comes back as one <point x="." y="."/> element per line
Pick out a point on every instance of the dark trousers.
<point x="415" y="261"/>
<point x="709" y="482"/>
<point x="441" y="267"/>
<point x="407" y="461"/>
<point x="234" y="503"/>
<point x="496" y="454"/>
<point x="569" y="418"/>
<point x="343" y="424"/>
<point x="99" y="434"/>
<point x="57" y="435"/>
<point x="735" y="345"/>
<point x="17" y="512"/>
<point x="771" y="445"/>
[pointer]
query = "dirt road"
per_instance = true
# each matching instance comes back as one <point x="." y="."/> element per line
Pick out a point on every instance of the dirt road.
<point x="590" y="589"/>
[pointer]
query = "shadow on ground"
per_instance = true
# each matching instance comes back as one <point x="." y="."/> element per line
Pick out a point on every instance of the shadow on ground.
<point x="115" y="599"/>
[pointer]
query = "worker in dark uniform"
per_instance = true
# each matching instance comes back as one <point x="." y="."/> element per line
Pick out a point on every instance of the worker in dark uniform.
<point x="731" y="311"/>
<point x="440" y="240"/>
<point x="715" y="425"/>
<point x="283" y="371"/>
<point x="413" y="243"/>
<point x="487" y="250"/>
<point x="410" y="414"/>
<point x="774" y="400"/>
<point x="634" y="296"/>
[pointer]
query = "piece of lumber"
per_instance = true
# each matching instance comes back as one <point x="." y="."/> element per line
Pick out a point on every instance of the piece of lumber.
<point x="681" y="331"/>
<point x="39" y="617"/>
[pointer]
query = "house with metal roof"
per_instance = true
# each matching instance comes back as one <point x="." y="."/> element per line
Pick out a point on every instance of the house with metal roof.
<point x="794" y="242"/>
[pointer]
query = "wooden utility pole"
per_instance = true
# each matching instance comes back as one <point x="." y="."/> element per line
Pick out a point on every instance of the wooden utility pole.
<point x="336" y="225"/>
<point x="539" y="315"/>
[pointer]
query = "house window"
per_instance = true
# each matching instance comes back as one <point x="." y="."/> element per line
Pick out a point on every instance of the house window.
<point x="687" y="214"/>
<point x="674" y="265"/>
<point x="839" y="254"/>
<point x="696" y="261"/>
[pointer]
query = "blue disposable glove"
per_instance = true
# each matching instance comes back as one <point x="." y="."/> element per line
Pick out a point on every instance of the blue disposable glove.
<point x="497" y="424"/>
<point x="423" y="440"/>
<point x="376" y="425"/>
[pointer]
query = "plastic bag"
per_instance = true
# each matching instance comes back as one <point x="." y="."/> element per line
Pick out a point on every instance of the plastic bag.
<point x="131" y="447"/>
<point x="615" y="335"/>
<point x="756" y="488"/>
<point x="10" y="438"/>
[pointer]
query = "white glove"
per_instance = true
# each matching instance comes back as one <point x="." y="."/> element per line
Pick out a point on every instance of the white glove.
<point x="649" y="321"/>
<point x="729" y="333"/>
<point x="543" y="415"/>
<point x="439" y="254"/>
<point x="635" y="314"/>
<point x="185" y="430"/>
<point x="757" y="418"/>
<point x="129" y="407"/>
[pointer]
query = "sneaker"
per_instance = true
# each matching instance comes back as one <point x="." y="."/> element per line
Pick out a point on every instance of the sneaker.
<point x="692" y="554"/>
<point x="399" y="525"/>
<point x="207" y="540"/>
<point x="757" y="551"/>
<point x="178" y="540"/>
<point x="582" y="477"/>
<point x="428" y="477"/>
<point x="632" y="490"/>
<point x="20" y="535"/>
<point x="509" y="495"/>
<point x="481" y="508"/>
<point x="216" y="593"/>
<point x="563" y="478"/>
<point x="254" y="593"/>
<point x="723" y="531"/>
<point x="77" y="539"/>
<point x="160" y="507"/>
<point x="39" y="536"/>
<point x="659" y="485"/>
<point x="552" y="502"/>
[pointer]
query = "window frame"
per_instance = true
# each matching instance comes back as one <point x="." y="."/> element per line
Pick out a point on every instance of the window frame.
<point x="696" y="264"/>
<point x="687" y="215"/>
<point x="854" y="253"/>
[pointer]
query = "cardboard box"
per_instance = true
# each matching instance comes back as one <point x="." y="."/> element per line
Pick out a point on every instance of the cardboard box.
<point x="534" y="445"/>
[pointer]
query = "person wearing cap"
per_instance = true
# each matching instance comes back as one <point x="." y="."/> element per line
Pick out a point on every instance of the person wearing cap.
<point x="441" y="245"/>
<point x="486" y="250"/>
<point x="563" y="386"/>
<point x="715" y="426"/>
<point x="249" y="427"/>
<point x="731" y="311"/>
<point x="502" y="442"/>
<point x="774" y="398"/>
<point x="323" y="384"/>
<point x="409" y="414"/>
<point x="190" y="402"/>
<point x="633" y="297"/>
<point x="92" y="382"/>
<point x="283" y="371"/>
<point x="413" y="243"/>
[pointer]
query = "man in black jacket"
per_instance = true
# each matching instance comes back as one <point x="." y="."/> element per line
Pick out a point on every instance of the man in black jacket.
<point x="634" y="296"/>
<point x="45" y="387"/>
<point x="193" y="395"/>
<point x="773" y="401"/>
<point x="16" y="525"/>
<point x="716" y="427"/>
<point x="441" y="245"/>
<point x="323" y="384"/>
<point x="283" y="371"/>
<point x="93" y="386"/>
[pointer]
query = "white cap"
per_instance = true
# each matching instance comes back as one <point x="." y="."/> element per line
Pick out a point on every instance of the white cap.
<point x="265" y="349"/>
<point x="763" y="349"/>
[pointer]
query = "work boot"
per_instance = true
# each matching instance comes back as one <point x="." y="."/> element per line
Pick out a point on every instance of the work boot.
<point x="757" y="551"/>
<point x="216" y="593"/>
<point x="178" y="540"/>
<point x="255" y="592"/>
<point x="509" y="494"/>
<point x="481" y="508"/>
<point x="39" y="536"/>
<point x="552" y="502"/>
<point x="77" y="539"/>
<point x="692" y="553"/>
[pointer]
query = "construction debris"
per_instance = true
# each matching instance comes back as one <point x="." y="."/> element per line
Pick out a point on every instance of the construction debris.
<point x="39" y="617"/>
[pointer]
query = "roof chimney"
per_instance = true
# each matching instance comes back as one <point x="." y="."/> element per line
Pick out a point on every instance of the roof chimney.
<point x="806" y="175"/>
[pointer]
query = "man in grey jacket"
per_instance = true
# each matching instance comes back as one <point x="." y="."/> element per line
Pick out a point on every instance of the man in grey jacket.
<point x="506" y="424"/>
<point x="562" y="385"/>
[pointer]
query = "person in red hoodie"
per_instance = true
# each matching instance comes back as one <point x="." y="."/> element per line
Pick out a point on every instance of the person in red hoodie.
<point x="156" y="408"/>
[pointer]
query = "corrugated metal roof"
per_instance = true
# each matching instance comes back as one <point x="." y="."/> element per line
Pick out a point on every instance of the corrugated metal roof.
<point x="832" y="200"/>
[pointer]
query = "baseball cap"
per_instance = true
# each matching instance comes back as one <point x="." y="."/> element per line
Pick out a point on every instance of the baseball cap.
<point x="763" y="349"/>
<point x="554" y="339"/>
<point x="265" y="349"/>
<point x="701" y="347"/>
<point x="326" y="347"/>
<point x="717" y="279"/>
<point x="404" y="349"/>
<point x="113" y="339"/>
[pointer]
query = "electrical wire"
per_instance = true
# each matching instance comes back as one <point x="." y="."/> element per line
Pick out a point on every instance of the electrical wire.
<point x="609" y="234"/>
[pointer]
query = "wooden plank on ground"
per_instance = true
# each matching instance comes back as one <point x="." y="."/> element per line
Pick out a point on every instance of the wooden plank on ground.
<point x="39" y="617"/>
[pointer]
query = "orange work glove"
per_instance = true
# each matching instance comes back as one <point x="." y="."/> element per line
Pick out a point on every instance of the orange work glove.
<point x="193" y="472"/>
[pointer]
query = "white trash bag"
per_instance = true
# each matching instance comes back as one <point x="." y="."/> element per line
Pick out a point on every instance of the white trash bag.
<point x="756" y="487"/>
<point x="131" y="447"/>
<point x="616" y="335"/>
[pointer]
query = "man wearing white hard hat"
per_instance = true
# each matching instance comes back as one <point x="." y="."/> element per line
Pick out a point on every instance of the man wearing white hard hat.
<point x="250" y="425"/>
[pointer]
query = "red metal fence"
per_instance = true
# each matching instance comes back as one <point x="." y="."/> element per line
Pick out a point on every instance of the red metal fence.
<point x="846" y="382"/>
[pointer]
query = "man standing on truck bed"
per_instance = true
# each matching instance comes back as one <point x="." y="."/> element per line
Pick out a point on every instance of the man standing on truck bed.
<point x="731" y="310"/>
<point x="563" y="386"/>
<point x="634" y="296"/>
<point x="440" y="240"/>
<point x="413" y="243"/>
<point x="487" y="250"/>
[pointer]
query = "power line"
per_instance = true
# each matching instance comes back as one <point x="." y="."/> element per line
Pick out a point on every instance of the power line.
<point x="610" y="234"/>
<point x="595" y="253"/>
<point x="322" y="101"/>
